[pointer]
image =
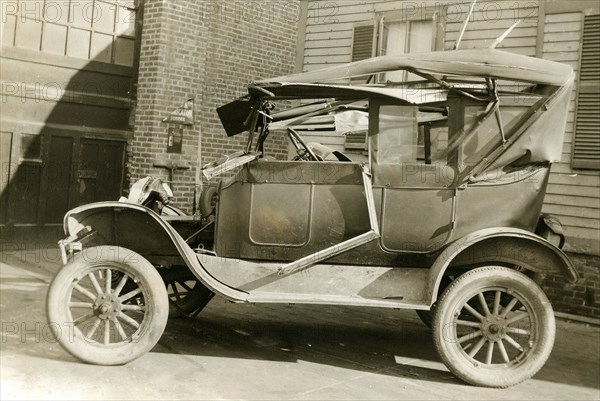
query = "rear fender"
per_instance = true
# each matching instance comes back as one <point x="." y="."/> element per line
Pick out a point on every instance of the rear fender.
<point x="501" y="246"/>
<point x="143" y="231"/>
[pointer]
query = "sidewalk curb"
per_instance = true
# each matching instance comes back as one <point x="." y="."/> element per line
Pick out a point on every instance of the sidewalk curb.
<point x="577" y="318"/>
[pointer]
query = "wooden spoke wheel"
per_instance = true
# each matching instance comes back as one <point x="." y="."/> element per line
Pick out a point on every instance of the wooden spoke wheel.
<point x="493" y="327"/>
<point x="187" y="296"/>
<point x="108" y="306"/>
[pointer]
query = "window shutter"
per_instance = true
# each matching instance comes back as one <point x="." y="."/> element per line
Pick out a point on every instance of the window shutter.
<point x="586" y="143"/>
<point x="362" y="44"/>
<point x="355" y="140"/>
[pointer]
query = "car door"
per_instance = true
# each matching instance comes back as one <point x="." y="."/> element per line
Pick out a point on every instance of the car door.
<point x="412" y="177"/>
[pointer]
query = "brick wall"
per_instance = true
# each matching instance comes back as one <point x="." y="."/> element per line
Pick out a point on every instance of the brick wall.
<point x="582" y="298"/>
<point x="210" y="51"/>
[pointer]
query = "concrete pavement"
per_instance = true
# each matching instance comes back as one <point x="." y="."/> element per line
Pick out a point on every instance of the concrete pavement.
<point x="262" y="352"/>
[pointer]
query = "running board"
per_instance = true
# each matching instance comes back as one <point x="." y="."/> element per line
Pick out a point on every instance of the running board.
<point x="310" y="260"/>
<point x="381" y="286"/>
<point x="312" y="299"/>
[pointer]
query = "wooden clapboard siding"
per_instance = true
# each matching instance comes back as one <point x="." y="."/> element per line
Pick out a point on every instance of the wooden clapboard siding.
<point x="573" y="195"/>
<point x="329" y="43"/>
<point x="489" y="20"/>
<point x="574" y="200"/>
<point x="334" y="141"/>
<point x="331" y="25"/>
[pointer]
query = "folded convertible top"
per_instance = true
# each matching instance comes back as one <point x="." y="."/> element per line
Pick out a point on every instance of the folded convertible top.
<point x="486" y="63"/>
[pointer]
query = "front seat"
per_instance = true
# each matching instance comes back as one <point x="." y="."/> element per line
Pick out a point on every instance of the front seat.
<point x="325" y="153"/>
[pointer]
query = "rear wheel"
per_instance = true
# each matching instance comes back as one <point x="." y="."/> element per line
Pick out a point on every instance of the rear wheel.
<point x="187" y="296"/>
<point x="493" y="327"/>
<point x="108" y="306"/>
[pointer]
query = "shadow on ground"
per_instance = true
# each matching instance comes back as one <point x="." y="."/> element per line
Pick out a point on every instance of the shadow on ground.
<point x="364" y="340"/>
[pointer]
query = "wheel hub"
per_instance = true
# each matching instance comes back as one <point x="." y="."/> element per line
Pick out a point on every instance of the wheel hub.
<point x="493" y="327"/>
<point x="107" y="306"/>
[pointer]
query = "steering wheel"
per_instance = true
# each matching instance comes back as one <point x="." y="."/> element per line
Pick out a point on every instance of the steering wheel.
<point x="301" y="148"/>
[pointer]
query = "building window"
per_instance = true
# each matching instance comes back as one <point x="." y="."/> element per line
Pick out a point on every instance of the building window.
<point x="586" y="142"/>
<point x="394" y="33"/>
<point x="401" y="37"/>
<point x="100" y="30"/>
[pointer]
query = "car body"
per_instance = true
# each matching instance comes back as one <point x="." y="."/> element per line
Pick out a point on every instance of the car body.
<point x="444" y="200"/>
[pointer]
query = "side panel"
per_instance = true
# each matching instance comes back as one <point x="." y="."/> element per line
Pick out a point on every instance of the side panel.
<point x="280" y="214"/>
<point x="511" y="200"/>
<point x="285" y="210"/>
<point x="416" y="220"/>
<point x="282" y="211"/>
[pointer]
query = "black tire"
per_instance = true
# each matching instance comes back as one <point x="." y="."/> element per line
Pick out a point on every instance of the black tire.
<point x="187" y="295"/>
<point x="500" y="343"/>
<point x="108" y="306"/>
<point x="207" y="201"/>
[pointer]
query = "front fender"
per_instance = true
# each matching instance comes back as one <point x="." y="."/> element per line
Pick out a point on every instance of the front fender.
<point x="501" y="245"/>
<point x="143" y="231"/>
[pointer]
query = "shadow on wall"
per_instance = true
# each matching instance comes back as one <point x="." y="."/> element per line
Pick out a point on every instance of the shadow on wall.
<point x="67" y="89"/>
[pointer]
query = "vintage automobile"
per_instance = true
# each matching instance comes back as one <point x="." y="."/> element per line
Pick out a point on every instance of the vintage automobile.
<point x="441" y="213"/>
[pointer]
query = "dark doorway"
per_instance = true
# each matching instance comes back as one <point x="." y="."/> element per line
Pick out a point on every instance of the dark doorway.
<point x="100" y="174"/>
<point x="80" y="171"/>
<point x="67" y="170"/>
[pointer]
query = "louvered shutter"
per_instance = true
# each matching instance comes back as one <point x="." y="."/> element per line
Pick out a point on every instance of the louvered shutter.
<point x="586" y="144"/>
<point x="362" y="48"/>
<point x="362" y="43"/>
<point x="356" y="141"/>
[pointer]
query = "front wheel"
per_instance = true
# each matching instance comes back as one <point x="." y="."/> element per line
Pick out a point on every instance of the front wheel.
<point x="493" y="327"/>
<point x="108" y="306"/>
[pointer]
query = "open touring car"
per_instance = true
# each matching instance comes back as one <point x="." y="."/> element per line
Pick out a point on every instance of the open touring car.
<point x="439" y="212"/>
